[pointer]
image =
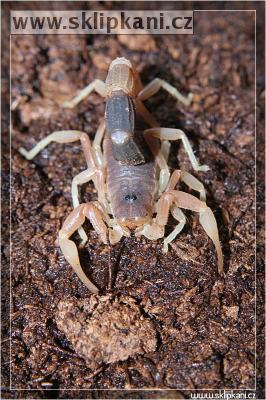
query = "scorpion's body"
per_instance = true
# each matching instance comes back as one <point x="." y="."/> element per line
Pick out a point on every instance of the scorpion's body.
<point x="129" y="169"/>
<point x="130" y="188"/>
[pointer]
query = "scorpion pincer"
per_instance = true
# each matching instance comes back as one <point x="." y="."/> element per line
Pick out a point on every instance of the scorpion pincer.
<point x="129" y="170"/>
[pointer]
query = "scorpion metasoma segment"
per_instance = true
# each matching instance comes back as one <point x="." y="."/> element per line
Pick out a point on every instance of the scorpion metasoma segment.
<point x="129" y="170"/>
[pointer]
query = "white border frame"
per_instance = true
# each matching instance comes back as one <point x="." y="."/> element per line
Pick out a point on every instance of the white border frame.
<point x="255" y="205"/>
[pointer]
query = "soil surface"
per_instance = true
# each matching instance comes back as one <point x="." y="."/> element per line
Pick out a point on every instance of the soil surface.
<point x="173" y="322"/>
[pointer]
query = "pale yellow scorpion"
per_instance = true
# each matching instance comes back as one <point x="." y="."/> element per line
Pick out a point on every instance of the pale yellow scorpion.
<point x="129" y="170"/>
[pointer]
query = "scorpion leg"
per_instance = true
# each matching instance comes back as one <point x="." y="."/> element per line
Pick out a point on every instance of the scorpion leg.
<point x="189" y="180"/>
<point x="158" y="154"/>
<point x="165" y="149"/>
<point x="71" y="224"/>
<point x="97" y="143"/>
<point x="181" y="218"/>
<point x="98" y="177"/>
<point x="97" y="85"/>
<point x="189" y="202"/>
<point x="177" y="134"/>
<point x="91" y="173"/>
<point x="83" y="177"/>
<point x="145" y="114"/>
<point x="62" y="137"/>
<point x="156" y="84"/>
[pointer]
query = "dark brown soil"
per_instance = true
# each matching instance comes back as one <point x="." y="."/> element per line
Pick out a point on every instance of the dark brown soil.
<point x="190" y="328"/>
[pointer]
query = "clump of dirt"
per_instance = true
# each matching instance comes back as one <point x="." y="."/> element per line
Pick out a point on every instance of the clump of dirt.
<point x="104" y="329"/>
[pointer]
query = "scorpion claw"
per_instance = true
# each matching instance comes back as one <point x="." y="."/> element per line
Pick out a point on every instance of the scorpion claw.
<point x="70" y="252"/>
<point x="115" y="235"/>
<point x="152" y="232"/>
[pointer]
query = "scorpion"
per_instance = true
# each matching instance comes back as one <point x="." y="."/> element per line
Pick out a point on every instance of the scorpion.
<point x="129" y="170"/>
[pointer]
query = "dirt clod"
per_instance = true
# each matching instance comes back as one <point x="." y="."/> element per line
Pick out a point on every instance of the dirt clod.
<point x="106" y="330"/>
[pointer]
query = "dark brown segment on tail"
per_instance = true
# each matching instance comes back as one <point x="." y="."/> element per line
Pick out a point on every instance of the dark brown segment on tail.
<point x="120" y="116"/>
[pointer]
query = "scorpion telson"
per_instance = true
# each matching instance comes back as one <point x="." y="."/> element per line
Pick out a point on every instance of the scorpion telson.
<point x="129" y="170"/>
